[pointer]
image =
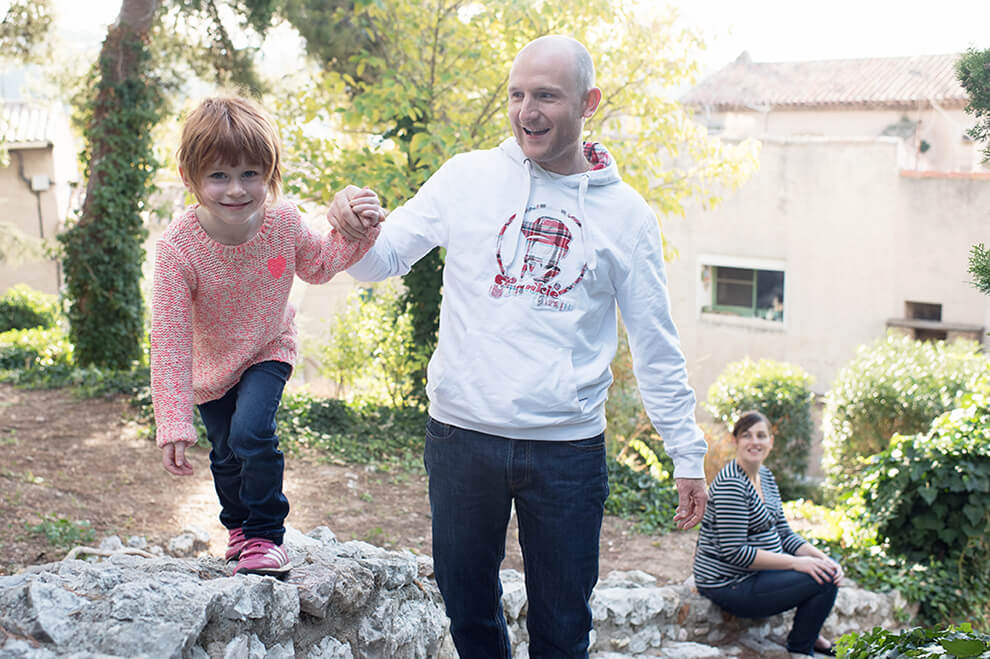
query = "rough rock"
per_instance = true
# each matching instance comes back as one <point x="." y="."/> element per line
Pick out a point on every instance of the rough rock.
<point x="341" y="601"/>
<point x="634" y="616"/>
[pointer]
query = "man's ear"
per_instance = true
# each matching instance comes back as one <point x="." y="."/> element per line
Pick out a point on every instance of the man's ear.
<point x="591" y="101"/>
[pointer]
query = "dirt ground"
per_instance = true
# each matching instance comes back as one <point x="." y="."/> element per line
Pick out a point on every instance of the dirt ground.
<point x="85" y="460"/>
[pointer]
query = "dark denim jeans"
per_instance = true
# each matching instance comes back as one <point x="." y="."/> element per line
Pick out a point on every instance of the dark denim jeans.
<point x="559" y="489"/>
<point x="246" y="463"/>
<point x="769" y="592"/>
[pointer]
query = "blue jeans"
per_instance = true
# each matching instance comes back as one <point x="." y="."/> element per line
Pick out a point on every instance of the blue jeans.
<point x="559" y="489"/>
<point x="246" y="463"/>
<point x="769" y="592"/>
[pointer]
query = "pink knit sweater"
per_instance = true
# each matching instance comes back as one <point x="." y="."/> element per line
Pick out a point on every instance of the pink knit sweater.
<point x="219" y="309"/>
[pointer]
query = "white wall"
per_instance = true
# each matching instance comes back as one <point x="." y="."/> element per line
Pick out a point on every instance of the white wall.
<point x="857" y="239"/>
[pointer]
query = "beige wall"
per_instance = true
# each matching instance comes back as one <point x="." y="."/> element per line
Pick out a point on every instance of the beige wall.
<point x="942" y="129"/>
<point x="19" y="206"/>
<point x="855" y="238"/>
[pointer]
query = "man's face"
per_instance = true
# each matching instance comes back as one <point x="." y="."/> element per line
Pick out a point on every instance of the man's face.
<point x="547" y="110"/>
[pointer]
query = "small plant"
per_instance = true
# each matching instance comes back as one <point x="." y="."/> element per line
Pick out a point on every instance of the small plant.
<point x="783" y="393"/>
<point x="22" y="307"/>
<point x="62" y="532"/>
<point x="950" y="642"/>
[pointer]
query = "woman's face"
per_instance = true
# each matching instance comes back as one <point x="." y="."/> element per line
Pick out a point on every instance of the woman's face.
<point x="754" y="444"/>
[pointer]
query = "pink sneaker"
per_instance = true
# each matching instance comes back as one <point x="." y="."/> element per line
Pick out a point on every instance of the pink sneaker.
<point x="235" y="544"/>
<point x="261" y="556"/>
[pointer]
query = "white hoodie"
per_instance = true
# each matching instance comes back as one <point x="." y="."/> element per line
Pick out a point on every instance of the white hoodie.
<point x="528" y="318"/>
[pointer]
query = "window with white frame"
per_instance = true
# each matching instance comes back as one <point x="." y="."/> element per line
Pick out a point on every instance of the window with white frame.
<point x="749" y="292"/>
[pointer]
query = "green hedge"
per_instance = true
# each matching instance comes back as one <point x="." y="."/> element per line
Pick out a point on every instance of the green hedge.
<point x="949" y="642"/>
<point x="22" y="307"/>
<point x="29" y="349"/>
<point x="895" y="385"/>
<point x="783" y="393"/>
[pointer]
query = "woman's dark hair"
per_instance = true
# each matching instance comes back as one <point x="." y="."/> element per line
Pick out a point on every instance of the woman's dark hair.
<point x="747" y="420"/>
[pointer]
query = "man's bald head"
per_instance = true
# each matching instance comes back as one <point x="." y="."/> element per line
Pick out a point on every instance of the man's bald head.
<point x="584" y="68"/>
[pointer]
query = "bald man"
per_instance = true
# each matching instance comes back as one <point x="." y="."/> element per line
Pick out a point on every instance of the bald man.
<point x="544" y="243"/>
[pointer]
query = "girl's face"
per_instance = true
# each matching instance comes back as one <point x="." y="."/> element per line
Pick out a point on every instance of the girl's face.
<point x="234" y="197"/>
<point x="754" y="444"/>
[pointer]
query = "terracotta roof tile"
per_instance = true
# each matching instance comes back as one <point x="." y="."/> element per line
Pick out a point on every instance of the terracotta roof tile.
<point x="875" y="83"/>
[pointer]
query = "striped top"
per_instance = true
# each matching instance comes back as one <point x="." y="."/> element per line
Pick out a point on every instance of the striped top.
<point x="737" y="523"/>
<point x="219" y="309"/>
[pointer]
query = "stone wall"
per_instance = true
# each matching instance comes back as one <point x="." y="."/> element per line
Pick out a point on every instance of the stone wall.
<point x="349" y="601"/>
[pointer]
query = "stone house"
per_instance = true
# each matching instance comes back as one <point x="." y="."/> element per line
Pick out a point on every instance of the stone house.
<point x="860" y="219"/>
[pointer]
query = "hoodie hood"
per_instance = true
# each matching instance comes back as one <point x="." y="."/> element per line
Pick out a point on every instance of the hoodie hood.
<point x="603" y="171"/>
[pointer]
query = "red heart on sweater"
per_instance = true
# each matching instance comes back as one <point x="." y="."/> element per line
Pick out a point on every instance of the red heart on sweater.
<point x="276" y="266"/>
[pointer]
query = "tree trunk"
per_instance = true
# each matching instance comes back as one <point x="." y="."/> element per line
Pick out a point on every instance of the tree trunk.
<point x="104" y="249"/>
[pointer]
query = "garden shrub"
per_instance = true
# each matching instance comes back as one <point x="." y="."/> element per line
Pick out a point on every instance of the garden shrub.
<point x="783" y="393"/>
<point x="895" y="385"/>
<point x="357" y="432"/>
<point x="929" y="497"/>
<point x="371" y="352"/>
<point x="929" y="494"/>
<point x="39" y="347"/>
<point x="638" y="494"/>
<point x="23" y="307"/>
<point x="949" y="642"/>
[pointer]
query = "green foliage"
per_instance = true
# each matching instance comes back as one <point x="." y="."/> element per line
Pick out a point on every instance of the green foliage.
<point x="973" y="71"/>
<point x="103" y="251"/>
<point x="25" y="30"/>
<point x="895" y="385"/>
<point x="371" y="349"/>
<point x="22" y="307"/>
<point x="929" y="494"/>
<point x="62" y="532"/>
<point x="353" y="433"/>
<point x="782" y="392"/>
<point x="35" y="348"/>
<point x="638" y="494"/>
<point x="979" y="267"/>
<point x="947" y="642"/>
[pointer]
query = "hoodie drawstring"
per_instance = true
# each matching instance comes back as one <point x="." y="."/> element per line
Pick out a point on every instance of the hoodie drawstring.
<point x="511" y="238"/>
<point x="589" y="252"/>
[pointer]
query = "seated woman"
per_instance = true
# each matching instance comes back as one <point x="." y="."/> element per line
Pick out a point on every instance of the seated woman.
<point x="748" y="560"/>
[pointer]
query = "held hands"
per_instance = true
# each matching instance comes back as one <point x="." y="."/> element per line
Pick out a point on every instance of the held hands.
<point x="354" y="211"/>
<point x="691" y="500"/>
<point x="174" y="459"/>
<point x="822" y="570"/>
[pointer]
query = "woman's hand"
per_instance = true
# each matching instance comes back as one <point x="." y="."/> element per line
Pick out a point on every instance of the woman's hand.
<point x="822" y="570"/>
<point x="838" y="573"/>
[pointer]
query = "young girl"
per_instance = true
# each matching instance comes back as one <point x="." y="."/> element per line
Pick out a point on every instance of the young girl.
<point x="223" y="336"/>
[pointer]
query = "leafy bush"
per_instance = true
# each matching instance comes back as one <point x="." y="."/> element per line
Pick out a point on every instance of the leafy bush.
<point x="950" y="642"/>
<point x="352" y="432"/>
<point x="22" y="307"/>
<point x="371" y="349"/>
<point x="34" y="348"/>
<point x="783" y="393"/>
<point x="895" y="385"/>
<point x="638" y="494"/>
<point x="930" y="494"/>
